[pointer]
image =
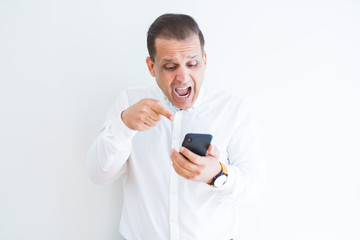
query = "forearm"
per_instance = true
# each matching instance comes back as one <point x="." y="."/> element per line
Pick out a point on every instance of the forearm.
<point x="109" y="152"/>
<point x="246" y="177"/>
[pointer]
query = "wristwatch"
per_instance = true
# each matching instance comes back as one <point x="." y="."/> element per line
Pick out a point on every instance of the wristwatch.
<point x="221" y="178"/>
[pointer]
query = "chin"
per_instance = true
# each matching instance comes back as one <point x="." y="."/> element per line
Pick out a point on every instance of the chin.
<point x="183" y="105"/>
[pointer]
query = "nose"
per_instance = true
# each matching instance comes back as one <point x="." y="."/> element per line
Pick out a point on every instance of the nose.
<point x="181" y="74"/>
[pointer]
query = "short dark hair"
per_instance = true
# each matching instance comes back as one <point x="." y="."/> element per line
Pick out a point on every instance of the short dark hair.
<point x="172" y="26"/>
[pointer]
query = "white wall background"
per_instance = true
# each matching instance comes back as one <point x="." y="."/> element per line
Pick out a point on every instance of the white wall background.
<point x="297" y="63"/>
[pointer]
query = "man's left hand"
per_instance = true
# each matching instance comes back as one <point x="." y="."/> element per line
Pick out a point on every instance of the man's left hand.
<point x="196" y="168"/>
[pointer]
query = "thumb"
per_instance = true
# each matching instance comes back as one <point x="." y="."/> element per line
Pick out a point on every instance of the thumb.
<point x="213" y="151"/>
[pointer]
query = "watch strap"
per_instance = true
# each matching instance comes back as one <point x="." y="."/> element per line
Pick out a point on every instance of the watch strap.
<point x="224" y="171"/>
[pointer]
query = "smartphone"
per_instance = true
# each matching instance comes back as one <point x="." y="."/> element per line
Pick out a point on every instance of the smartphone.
<point x="197" y="143"/>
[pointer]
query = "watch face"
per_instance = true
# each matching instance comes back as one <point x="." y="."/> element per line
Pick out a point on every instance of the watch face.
<point x="219" y="181"/>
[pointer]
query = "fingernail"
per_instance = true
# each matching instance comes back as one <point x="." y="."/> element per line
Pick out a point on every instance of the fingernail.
<point x="181" y="149"/>
<point x="172" y="151"/>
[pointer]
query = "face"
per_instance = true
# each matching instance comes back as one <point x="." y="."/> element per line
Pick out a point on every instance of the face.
<point x="179" y="69"/>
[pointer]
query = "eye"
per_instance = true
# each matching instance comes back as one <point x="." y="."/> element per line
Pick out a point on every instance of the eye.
<point x="192" y="64"/>
<point x="170" y="67"/>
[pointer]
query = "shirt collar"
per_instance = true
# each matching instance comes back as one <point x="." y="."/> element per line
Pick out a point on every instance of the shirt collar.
<point x="166" y="101"/>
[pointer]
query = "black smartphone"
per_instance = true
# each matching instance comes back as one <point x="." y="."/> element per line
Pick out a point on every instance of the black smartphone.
<point x="197" y="143"/>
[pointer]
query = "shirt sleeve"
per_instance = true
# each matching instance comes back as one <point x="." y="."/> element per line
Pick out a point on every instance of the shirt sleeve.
<point x="107" y="156"/>
<point x="246" y="169"/>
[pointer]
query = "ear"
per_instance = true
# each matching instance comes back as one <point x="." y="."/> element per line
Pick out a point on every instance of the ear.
<point x="150" y="64"/>
<point x="204" y="58"/>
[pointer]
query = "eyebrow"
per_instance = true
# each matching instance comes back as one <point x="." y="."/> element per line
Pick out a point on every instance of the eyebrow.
<point x="174" y="59"/>
<point x="192" y="57"/>
<point x="169" y="59"/>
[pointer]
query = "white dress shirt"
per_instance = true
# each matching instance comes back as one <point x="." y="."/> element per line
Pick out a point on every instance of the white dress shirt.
<point x="160" y="204"/>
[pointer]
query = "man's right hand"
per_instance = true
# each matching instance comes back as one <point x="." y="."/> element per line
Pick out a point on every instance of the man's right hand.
<point x="144" y="114"/>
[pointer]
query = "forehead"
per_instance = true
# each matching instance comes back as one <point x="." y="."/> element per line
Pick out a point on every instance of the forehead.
<point x="173" y="48"/>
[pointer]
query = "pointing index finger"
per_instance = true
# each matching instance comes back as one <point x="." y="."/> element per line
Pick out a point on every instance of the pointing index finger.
<point x="158" y="108"/>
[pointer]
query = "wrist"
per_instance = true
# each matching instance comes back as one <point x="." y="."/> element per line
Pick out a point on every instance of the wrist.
<point x="123" y="118"/>
<point x="217" y="171"/>
<point x="221" y="178"/>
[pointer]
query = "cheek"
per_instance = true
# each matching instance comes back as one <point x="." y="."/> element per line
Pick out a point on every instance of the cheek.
<point x="164" y="79"/>
<point x="198" y="76"/>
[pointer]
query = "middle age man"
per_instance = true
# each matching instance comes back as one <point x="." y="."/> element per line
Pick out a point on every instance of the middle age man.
<point x="168" y="196"/>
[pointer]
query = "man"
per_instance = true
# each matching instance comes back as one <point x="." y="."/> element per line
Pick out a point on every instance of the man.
<point x="169" y="191"/>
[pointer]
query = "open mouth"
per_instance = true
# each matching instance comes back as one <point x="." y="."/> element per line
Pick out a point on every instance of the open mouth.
<point x="183" y="92"/>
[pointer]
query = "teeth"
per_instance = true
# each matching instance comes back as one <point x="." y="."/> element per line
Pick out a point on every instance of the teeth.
<point x="185" y="96"/>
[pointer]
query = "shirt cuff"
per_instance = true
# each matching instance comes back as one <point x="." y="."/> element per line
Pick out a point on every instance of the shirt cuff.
<point x="232" y="181"/>
<point x="120" y="131"/>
